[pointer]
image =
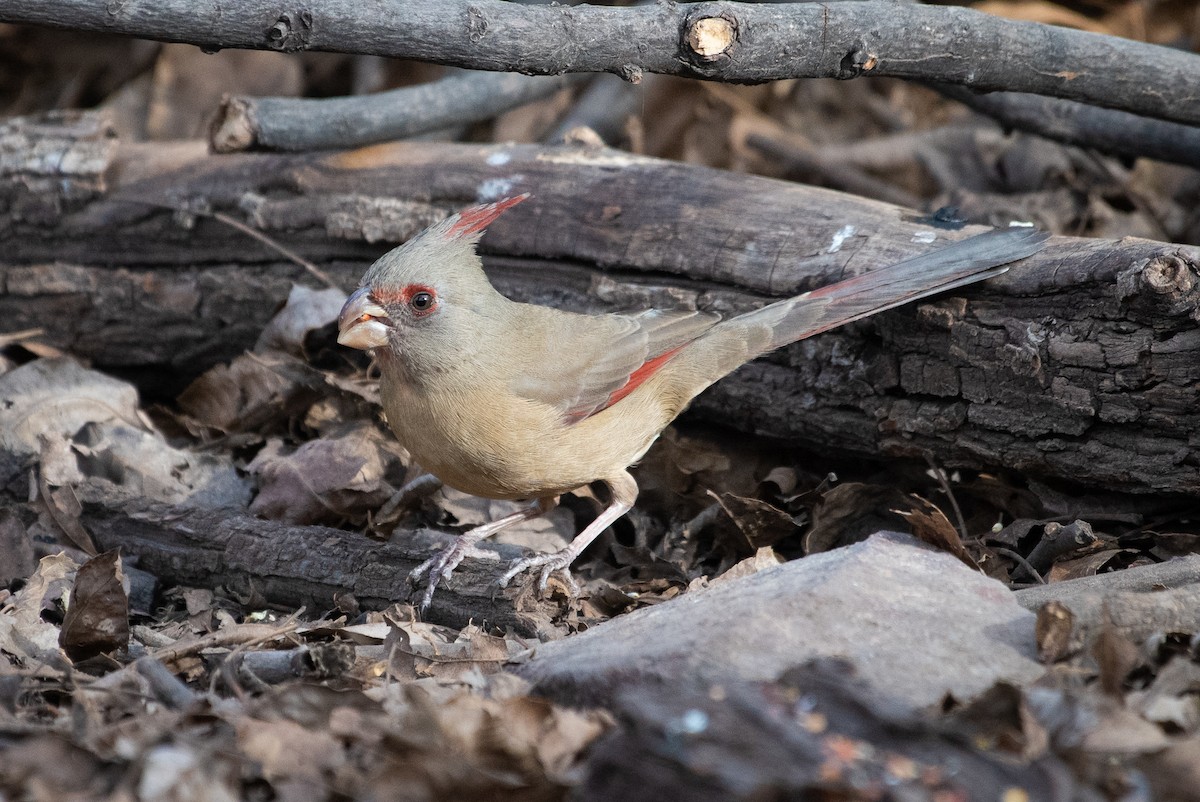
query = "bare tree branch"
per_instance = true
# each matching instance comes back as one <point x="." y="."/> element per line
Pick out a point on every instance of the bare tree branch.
<point x="284" y="123"/>
<point x="721" y="41"/>
<point x="1105" y="130"/>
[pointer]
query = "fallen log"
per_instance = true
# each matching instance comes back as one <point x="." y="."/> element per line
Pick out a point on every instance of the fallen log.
<point x="1080" y="364"/>
<point x="267" y="562"/>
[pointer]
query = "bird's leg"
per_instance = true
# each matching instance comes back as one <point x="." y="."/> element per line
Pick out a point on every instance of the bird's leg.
<point x="440" y="566"/>
<point x="624" y="492"/>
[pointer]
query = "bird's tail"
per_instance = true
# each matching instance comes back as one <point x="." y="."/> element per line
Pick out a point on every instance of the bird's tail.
<point x="965" y="262"/>
<point x="732" y="342"/>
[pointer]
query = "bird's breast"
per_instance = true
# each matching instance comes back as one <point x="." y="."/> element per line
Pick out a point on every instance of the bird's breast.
<point x="485" y="440"/>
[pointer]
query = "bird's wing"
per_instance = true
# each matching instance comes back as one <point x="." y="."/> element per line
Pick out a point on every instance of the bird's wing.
<point x="599" y="360"/>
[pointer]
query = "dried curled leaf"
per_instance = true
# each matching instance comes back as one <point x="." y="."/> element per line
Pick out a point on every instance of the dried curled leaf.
<point x="97" y="619"/>
<point x="24" y="634"/>
<point x="306" y="309"/>
<point x="340" y="476"/>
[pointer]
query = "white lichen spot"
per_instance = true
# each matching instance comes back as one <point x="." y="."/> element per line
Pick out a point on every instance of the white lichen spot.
<point x="498" y="188"/>
<point x="840" y="236"/>
<point x="499" y="158"/>
<point x="924" y="237"/>
<point x="1020" y="224"/>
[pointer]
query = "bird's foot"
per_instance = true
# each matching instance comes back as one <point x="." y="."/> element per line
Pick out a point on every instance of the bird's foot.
<point x="555" y="563"/>
<point x="440" y="567"/>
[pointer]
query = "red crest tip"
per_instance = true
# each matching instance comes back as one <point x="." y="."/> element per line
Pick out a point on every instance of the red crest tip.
<point x="475" y="219"/>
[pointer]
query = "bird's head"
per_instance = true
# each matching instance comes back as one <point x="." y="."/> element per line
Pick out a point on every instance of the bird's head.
<point x="425" y="290"/>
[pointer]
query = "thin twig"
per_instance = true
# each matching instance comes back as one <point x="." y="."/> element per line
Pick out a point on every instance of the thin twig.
<point x="167" y="688"/>
<point x="18" y="336"/>
<point x="1012" y="555"/>
<point x="1106" y="130"/>
<point x="243" y="634"/>
<point x="250" y="231"/>
<point x="940" y="475"/>
<point x="315" y="271"/>
<point x="424" y="485"/>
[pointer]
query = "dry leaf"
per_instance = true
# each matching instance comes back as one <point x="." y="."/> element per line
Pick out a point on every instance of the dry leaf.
<point x="1174" y="773"/>
<point x="306" y="309"/>
<point x="342" y="475"/>
<point x="88" y="433"/>
<point x="1117" y="657"/>
<point x="1106" y="558"/>
<point x="928" y="523"/>
<point x="763" y="559"/>
<point x="287" y="750"/>
<point x="23" y="632"/>
<point x="182" y="773"/>
<point x="1000" y="719"/>
<point x="852" y="512"/>
<point x="117" y="462"/>
<point x="1054" y="632"/>
<point x="51" y="764"/>
<point x="761" y="523"/>
<point x="545" y="533"/>
<point x="254" y="393"/>
<point x="97" y="619"/>
<point x="52" y="399"/>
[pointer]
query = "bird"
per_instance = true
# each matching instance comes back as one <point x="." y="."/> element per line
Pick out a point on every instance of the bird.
<point x="509" y="400"/>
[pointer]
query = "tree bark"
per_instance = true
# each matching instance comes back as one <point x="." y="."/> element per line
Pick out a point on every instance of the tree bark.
<point x="734" y="42"/>
<point x="294" y="566"/>
<point x="1080" y="364"/>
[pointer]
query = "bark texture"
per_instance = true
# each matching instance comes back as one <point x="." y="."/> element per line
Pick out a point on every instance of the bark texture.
<point x="294" y="566"/>
<point x="1081" y="364"/>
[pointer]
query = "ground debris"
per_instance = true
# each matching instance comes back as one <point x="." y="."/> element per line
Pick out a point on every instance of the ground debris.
<point x="405" y="706"/>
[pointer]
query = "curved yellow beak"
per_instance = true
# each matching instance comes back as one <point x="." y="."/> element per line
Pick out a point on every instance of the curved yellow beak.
<point x="360" y="322"/>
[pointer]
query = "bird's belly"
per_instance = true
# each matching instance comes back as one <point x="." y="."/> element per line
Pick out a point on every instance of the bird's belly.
<point x="481" y="444"/>
<point x="494" y="446"/>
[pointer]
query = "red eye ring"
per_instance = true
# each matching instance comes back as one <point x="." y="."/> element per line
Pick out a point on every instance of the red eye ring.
<point x="422" y="301"/>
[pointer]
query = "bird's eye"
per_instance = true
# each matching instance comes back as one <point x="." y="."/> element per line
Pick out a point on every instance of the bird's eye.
<point x="422" y="301"/>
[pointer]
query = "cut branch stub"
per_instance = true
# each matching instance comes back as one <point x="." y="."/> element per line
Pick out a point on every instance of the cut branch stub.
<point x="708" y="36"/>
<point x="711" y="37"/>
<point x="859" y="60"/>
<point x="291" y="32"/>
<point x="1173" y="282"/>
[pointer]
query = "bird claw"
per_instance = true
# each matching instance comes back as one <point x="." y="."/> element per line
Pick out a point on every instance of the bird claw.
<point x="555" y="563"/>
<point x="440" y="567"/>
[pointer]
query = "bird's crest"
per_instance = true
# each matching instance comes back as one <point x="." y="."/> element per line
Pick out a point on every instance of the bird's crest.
<point x="471" y="222"/>
<point x="440" y="257"/>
